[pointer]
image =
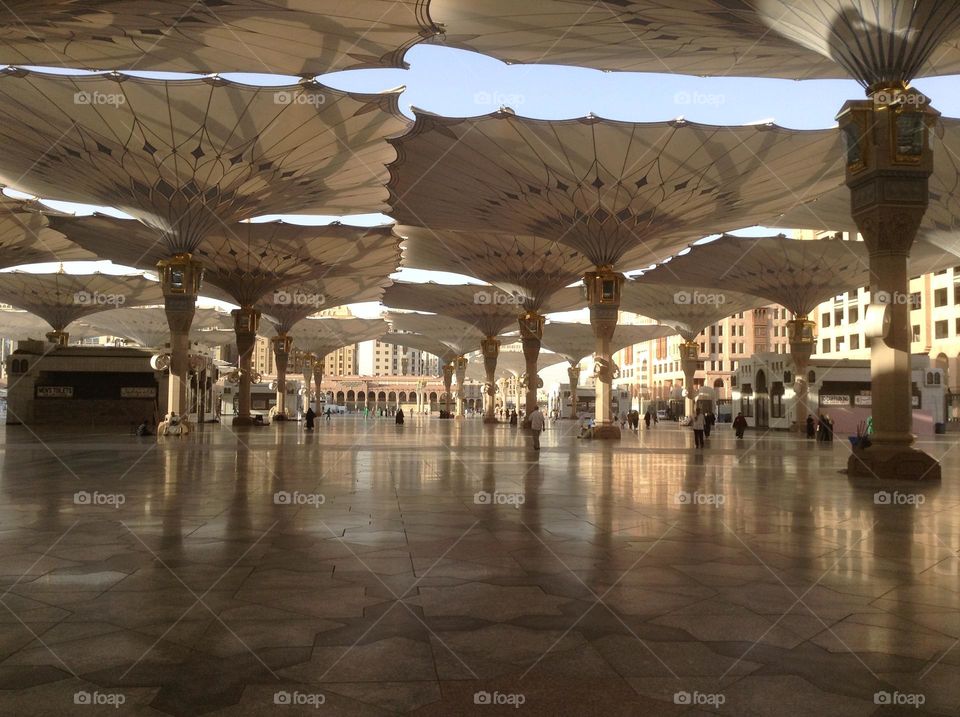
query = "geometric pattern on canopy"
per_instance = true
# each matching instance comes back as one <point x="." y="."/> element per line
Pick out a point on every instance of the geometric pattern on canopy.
<point x="23" y="326"/>
<point x="689" y="309"/>
<point x="285" y="37"/>
<point x="796" y="274"/>
<point x="941" y="222"/>
<point x="323" y="335"/>
<point x="621" y="193"/>
<point x="60" y="298"/>
<point x="246" y="261"/>
<point x="147" y="325"/>
<point x="461" y="337"/>
<point x="575" y="341"/>
<point x="186" y="157"/>
<point x="298" y="301"/>
<point x="530" y="266"/>
<point x="796" y="39"/>
<point x="25" y="237"/>
<point x="489" y="309"/>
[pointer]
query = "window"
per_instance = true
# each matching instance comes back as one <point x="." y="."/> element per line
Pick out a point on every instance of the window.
<point x="776" y="400"/>
<point x="916" y="332"/>
<point x="916" y="302"/>
<point x="837" y="317"/>
<point x="940" y="329"/>
<point x="940" y="297"/>
<point x="825" y="345"/>
<point x="853" y="315"/>
<point x="854" y="342"/>
<point x="720" y="330"/>
<point x="840" y="342"/>
<point x="825" y="320"/>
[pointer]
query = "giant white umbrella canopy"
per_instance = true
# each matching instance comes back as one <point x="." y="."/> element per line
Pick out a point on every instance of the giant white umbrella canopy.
<point x="147" y="325"/>
<point x="797" y="274"/>
<point x="796" y="39"/>
<point x="510" y="364"/>
<point x="530" y="266"/>
<point x="574" y="342"/>
<point x="622" y="194"/>
<point x="26" y="237"/>
<point x="448" y="355"/>
<point x="23" y="325"/>
<point x="60" y="298"/>
<point x="287" y="37"/>
<point x="300" y="300"/>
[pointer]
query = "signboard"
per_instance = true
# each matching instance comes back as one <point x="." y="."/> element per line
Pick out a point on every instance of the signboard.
<point x="138" y="392"/>
<point x="863" y="400"/>
<point x="54" y="391"/>
<point x="834" y="400"/>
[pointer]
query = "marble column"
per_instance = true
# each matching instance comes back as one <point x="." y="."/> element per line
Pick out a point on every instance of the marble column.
<point x="573" y="376"/>
<point x="448" y="369"/>
<point x="461" y="373"/>
<point x="603" y="293"/>
<point x="888" y="167"/>
<point x="282" y="344"/>
<point x="801" y="333"/>
<point x="531" y="335"/>
<point x="180" y="278"/>
<point x="246" y="321"/>
<point x="306" y="367"/>
<point x="490" y="348"/>
<point x="689" y="361"/>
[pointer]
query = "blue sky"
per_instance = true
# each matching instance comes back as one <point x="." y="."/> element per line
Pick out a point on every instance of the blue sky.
<point x="462" y="84"/>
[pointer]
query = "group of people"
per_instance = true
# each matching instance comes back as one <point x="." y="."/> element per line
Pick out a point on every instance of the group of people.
<point x="632" y="419"/>
<point x="821" y="429"/>
<point x="310" y="417"/>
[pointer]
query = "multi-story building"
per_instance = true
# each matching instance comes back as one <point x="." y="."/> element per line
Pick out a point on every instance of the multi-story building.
<point x="652" y="370"/>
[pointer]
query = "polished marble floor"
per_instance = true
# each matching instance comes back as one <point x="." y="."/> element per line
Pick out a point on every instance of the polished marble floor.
<point x="445" y="568"/>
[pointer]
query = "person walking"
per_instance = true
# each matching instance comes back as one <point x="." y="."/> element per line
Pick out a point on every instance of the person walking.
<point x="811" y="427"/>
<point x="698" y="427"/>
<point x="739" y="425"/>
<point x="327" y="414"/>
<point x="646" y="419"/>
<point x="513" y="417"/>
<point x="708" y="420"/>
<point x="536" y="425"/>
<point x="399" y="417"/>
<point x="310" y="416"/>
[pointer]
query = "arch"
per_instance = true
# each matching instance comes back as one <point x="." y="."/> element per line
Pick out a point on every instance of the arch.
<point x="392" y="397"/>
<point x="433" y="396"/>
<point x="382" y="396"/>
<point x="339" y="396"/>
<point x="762" y="400"/>
<point x="361" y="396"/>
<point x="351" y="396"/>
<point x="403" y="397"/>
